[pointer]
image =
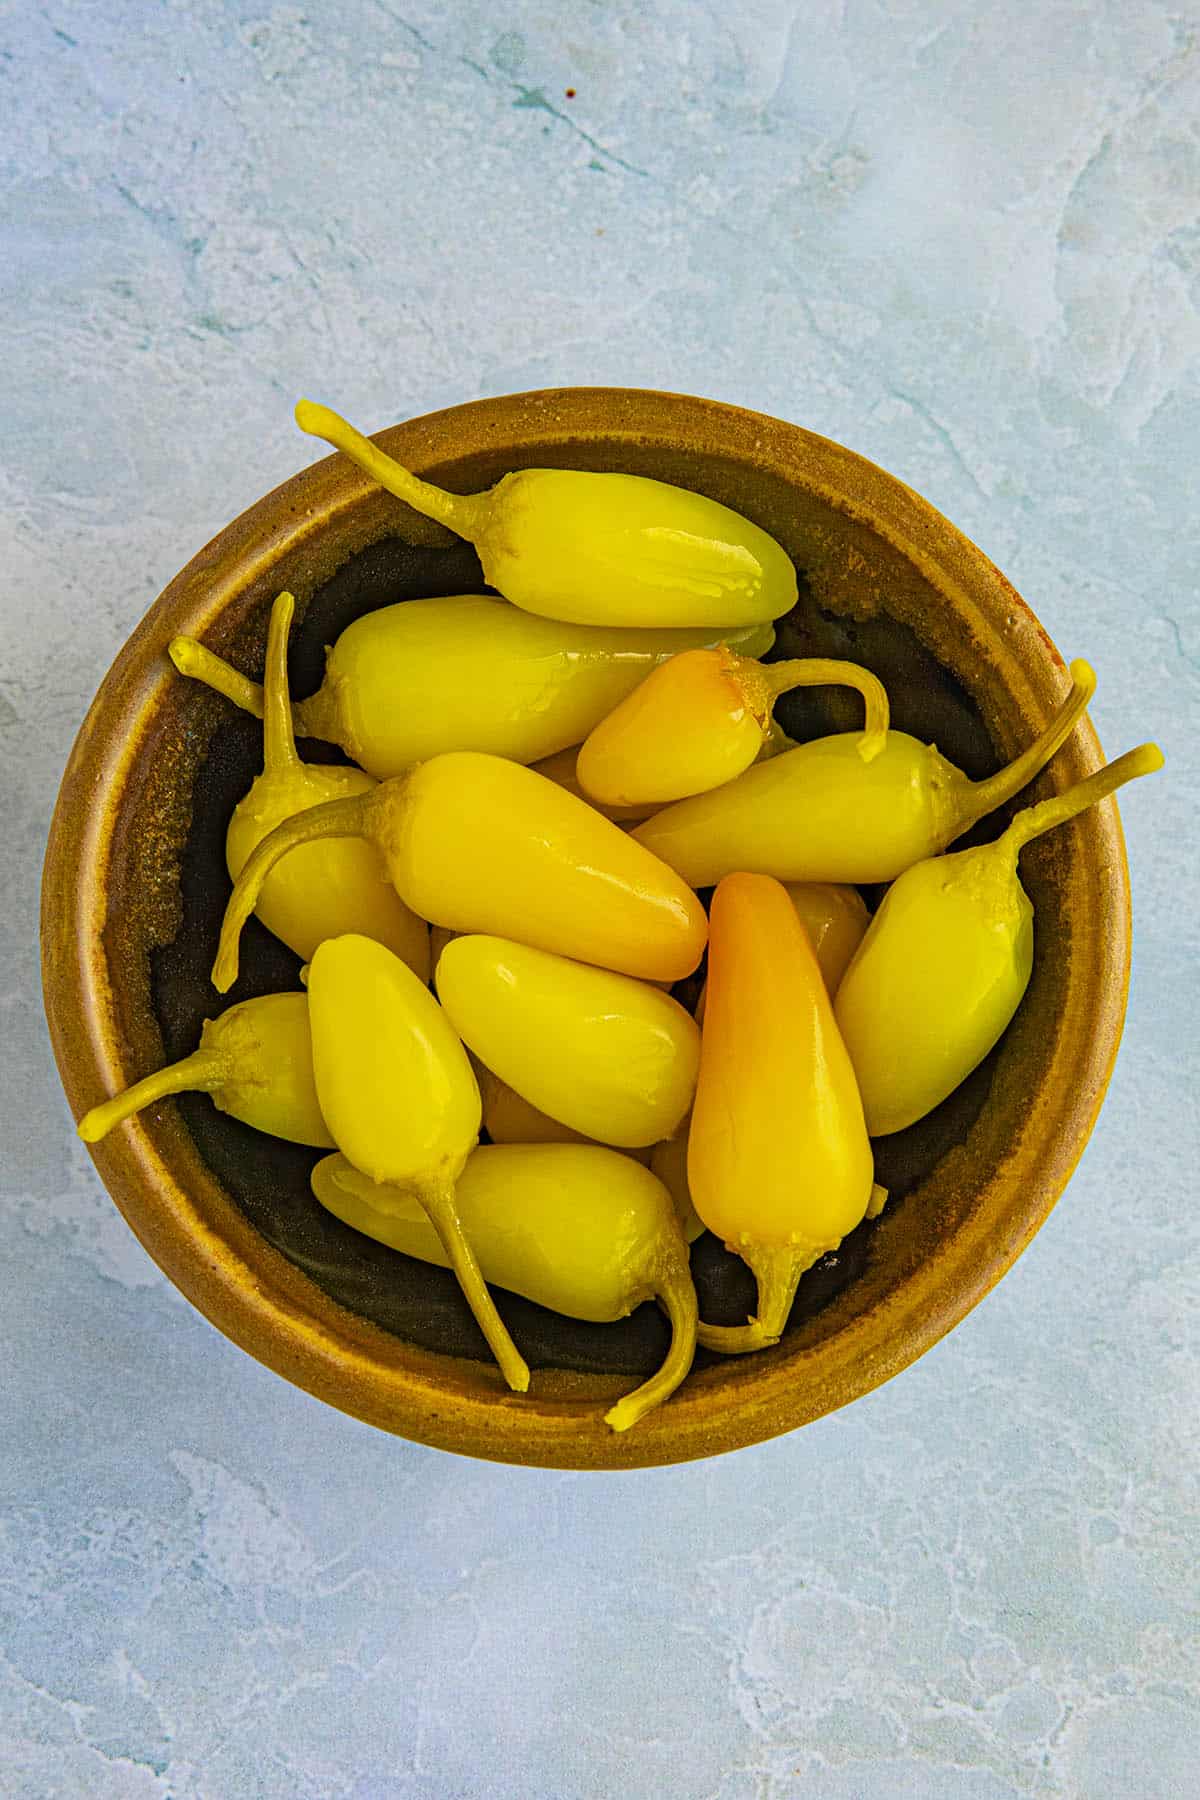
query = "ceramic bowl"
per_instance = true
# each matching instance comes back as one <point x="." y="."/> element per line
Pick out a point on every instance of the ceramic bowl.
<point x="135" y="885"/>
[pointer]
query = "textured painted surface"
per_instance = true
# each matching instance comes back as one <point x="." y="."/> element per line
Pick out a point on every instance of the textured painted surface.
<point x="961" y="238"/>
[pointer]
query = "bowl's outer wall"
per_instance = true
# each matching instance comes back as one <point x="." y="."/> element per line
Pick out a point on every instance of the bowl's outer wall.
<point x="884" y="578"/>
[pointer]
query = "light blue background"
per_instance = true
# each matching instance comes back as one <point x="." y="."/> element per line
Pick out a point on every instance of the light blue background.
<point x="963" y="239"/>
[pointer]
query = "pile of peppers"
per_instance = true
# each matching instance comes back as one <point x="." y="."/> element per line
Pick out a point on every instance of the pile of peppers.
<point x="496" y="901"/>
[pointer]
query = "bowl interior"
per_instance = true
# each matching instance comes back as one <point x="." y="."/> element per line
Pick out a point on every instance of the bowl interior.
<point x="883" y="580"/>
<point x="268" y="1178"/>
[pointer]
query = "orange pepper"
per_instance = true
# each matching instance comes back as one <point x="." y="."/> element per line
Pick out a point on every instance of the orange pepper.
<point x="779" y="1162"/>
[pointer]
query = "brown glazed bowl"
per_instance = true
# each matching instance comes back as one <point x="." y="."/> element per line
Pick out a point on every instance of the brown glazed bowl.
<point x="135" y="885"/>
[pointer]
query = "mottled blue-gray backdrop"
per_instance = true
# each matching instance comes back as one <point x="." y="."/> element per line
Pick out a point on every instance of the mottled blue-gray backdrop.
<point x="960" y="237"/>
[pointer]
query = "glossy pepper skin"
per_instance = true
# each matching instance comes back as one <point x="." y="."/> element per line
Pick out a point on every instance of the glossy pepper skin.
<point x="595" y="549"/>
<point x="400" y="1100"/>
<point x="584" y="1231"/>
<point x="701" y="719"/>
<point x="465" y="672"/>
<point x="668" y="1161"/>
<point x="508" y="1118"/>
<point x="478" y="844"/>
<point x="836" y="921"/>
<point x="947" y="960"/>
<point x="612" y="1057"/>
<point x="821" y="813"/>
<point x="320" y="890"/>
<point x="564" y="769"/>
<point x="255" y="1061"/>
<point x="779" y="1163"/>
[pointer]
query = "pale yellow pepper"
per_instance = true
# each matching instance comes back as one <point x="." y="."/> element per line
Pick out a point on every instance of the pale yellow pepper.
<point x="669" y="1162"/>
<point x="564" y="769"/>
<point x="508" y="1118"/>
<point x="947" y="960"/>
<point x="584" y="1231"/>
<point x="598" y="549"/>
<point x="256" y="1063"/>
<point x="821" y="813"/>
<point x="466" y="672"/>
<point x="439" y="937"/>
<point x="320" y="890"/>
<point x="400" y="1100"/>
<point x="476" y="843"/>
<point x="610" y="1056"/>
<point x="836" y="920"/>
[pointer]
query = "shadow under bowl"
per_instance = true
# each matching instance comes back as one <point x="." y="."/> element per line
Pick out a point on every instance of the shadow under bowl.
<point x="135" y="886"/>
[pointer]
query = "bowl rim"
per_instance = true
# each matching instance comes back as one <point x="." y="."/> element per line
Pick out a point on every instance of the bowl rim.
<point x="263" y="1302"/>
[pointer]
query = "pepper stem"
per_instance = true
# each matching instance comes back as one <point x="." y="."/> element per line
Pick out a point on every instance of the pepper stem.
<point x="335" y="818"/>
<point x="461" y="512"/>
<point x="279" y="736"/>
<point x="676" y="1294"/>
<point x="985" y="796"/>
<point x="438" y="1202"/>
<point x="1059" y="808"/>
<point x="191" y="658"/>
<point x="201" y="1072"/>
<point x="876" y="1203"/>
<point x="824" y="671"/>
<point x="315" y="717"/>
<point x="777" y="1268"/>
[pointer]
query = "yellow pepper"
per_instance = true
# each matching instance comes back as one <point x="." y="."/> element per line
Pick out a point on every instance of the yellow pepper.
<point x="397" y="1093"/>
<point x="668" y="1161"/>
<point x="701" y="719"/>
<point x="475" y="843"/>
<point x="610" y="1056"/>
<point x="820" y="813"/>
<point x="836" y="921"/>
<point x="584" y="1231"/>
<point x="465" y="672"/>
<point x="779" y="1163"/>
<point x="947" y="960"/>
<point x="318" y="891"/>
<point x="256" y="1063"/>
<point x="596" y="549"/>
<point x="563" y="769"/>
<point x="508" y="1118"/>
<point x="439" y="937"/>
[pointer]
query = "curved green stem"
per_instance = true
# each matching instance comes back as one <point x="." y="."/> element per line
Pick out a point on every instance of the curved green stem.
<point x="824" y="671"/>
<point x="438" y="1202"/>
<point x="201" y="1072"/>
<point x="279" y="736"/>
<point x="316" y="717"/>
<point x="191" y="658"/>
<point x="985" y="796"/>
<point x="777" y="1268"/>
<point x="677" y="1295"/>
<point x="463" y="513"/>
<point x="336" y="818"/>
<point x="734" y="1340"/>
<point x="1059" y="808"/>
